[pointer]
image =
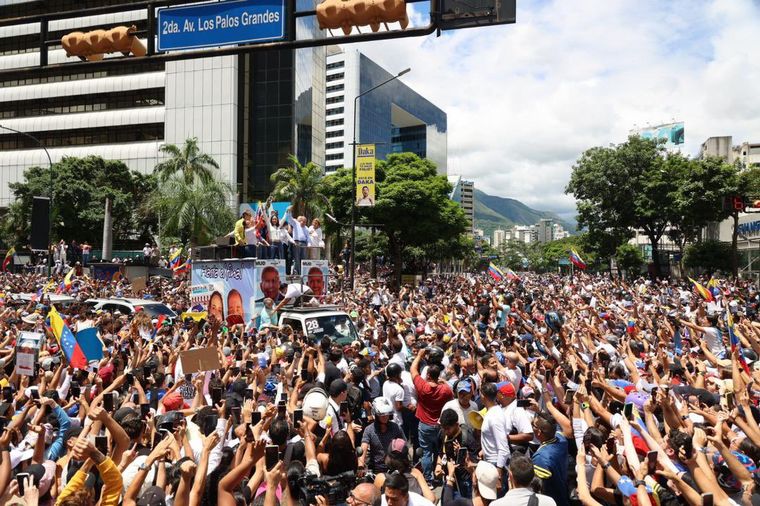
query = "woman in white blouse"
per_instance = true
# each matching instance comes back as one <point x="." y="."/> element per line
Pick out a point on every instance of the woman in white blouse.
<point x="315" y="235"/>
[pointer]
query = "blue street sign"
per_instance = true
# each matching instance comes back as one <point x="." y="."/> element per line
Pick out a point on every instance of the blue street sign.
<point x="220" y="23"/>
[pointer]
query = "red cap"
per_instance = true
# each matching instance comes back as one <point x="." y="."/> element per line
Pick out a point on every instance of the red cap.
<point x="629" y="389"/>
<point x="508" y="390"/>
<point x="173" y="401"/>
<point x="639" y="444"/>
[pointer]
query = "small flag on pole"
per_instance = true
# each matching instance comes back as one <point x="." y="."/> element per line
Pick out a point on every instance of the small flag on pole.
<point x="66" y="340"/>
<point x="495" y="272"/>
<point x="704" y="292"/>
<point x="67" y="279"/>
<point x="174" y="258"/>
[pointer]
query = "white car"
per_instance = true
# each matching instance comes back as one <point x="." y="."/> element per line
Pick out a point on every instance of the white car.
<point x="318" y="322"/>
<point x="129" y="306"/>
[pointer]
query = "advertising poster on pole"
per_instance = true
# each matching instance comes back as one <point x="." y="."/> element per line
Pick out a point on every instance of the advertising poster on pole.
<point x="270" y="274"/>
<point x="315" y="274"/>
<point x="365" y="175"/>
<point x="28" y="352"/>
<point x="224" y="289"/>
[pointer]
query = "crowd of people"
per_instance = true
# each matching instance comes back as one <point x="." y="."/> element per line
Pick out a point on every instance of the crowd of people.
<point x="463" y="390"/>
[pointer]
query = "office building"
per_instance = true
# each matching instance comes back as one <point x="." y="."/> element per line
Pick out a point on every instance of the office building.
<point x="463" y="193"/>
<point x="545" y="230"/>
<point x="499" y="237"/>
<point x="394" y="116"/>
<point x="748" y="153"/>
<point x="249" y="112"/>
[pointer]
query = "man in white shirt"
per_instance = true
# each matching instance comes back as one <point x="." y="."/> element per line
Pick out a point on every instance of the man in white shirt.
<point x="521" y="475"/>
<point x="463" y="404"/>
<point x="397" y="493"/>
<point x="493" y="435"/>
<point x="394" y="392"/>
<point x="517" y="419"/>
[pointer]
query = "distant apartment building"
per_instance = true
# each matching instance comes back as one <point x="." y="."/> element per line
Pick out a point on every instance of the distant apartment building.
<point x="545" y="230"/>
<point x="722" y="146"/>
<point x="463" y="193"/>
<point x="499" y="237"/>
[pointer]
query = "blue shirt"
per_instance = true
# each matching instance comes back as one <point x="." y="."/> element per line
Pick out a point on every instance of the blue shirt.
<point x="58" y="447"/>
<point x="550" y="464"/>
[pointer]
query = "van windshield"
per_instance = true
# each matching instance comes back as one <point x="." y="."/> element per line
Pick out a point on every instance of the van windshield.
<point x="338" y="327"/>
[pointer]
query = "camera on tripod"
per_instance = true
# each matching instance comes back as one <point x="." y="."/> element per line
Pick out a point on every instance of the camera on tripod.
<point x="335" y="489"/>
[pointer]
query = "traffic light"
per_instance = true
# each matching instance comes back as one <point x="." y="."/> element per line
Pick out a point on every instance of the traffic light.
<point x="94" y="44"/>
<point x="345" y="14"/>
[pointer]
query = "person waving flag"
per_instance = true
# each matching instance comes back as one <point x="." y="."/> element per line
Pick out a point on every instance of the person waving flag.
<point x="495" y="272"/>
<point x="66" y="340"/>
<point x="704" y="292"/>
<point x="576" y="259"/>
<point x="174" y="258"/>
<point x="8" y="258"/>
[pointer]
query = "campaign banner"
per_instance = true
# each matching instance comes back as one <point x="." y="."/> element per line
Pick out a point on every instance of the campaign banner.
<point x="365" y="175"/>
<point x="224" y="289"/>
<point x="671" y="133"/>
<point x="105" y="271"/>
<point x="270" y="275"/>
<point x="315" y="274"/>
<point x="278" y="207"/>
<point x="28" y="352"/>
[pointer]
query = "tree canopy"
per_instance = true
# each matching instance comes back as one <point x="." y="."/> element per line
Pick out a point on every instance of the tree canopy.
<point x="302" y="185"/>
<point x="80" y="187"/>
<point x="187" y="161"/>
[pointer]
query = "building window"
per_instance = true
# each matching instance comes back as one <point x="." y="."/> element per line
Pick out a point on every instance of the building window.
<point x="56" y="75"/>
<point x="337" y="87"/>
<point x="334" y="133"/>
<point x="337" y="110"/>
<point x="334" y="145"/>
<point x="411" y="139"/>
<point x="336" y="65"/>
<point x="85" y="136"/>
<point x="335" y="100"/>
<point x="338" y="156"/>
<point x="82" y="103"/>
<point x="335" y="77"/>
<point x="334" y="122"/>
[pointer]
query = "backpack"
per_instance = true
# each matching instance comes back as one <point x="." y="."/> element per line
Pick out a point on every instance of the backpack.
<point x="355" y="400"/>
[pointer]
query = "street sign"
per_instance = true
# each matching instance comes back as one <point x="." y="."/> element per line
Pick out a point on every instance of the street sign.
<point x="220" y="24"/>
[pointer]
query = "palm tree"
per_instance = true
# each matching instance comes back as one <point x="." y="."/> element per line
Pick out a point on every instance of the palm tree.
<point x="197" y="211"/>
<point x="302" y="186"/>
<point x="187" y="160"/>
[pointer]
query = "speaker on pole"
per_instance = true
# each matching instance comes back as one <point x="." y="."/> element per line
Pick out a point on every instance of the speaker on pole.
<point x="40" y="223"/>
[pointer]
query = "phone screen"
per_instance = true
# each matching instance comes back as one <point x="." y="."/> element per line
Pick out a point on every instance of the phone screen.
<point x="249" y="393"/>
<point x="569" y="396"/>
<point x="35" y="394"/>
<point x="154" y="399"/>
<point x="101" y="443"/>
<point x="281" y="410"/>
<point x="108" y="402"/>
<point x="255" y="417"/>
<point x="216" y="395"/>
<point x="343" y="407"/>
<point x="8" y="394"/>
<point x="461" y="456"/>
<point x="707" y="499"/>
<point x="144" y="410"/>
<point x="129" y="379"/>
<point x="651" y="463"/>
<point x="235" y="410"/>
<point x="271" y="456"/>
<point x="304" y="374"/>
<point x="297" y="417"/>
<point x="523" y="403"/>
<point x="21" y="477"/>
<point x="628" y="411"/>
<point x="611" y="446"/>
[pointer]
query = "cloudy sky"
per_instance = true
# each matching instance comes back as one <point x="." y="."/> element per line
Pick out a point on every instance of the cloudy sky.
<point x="524" y="100"/>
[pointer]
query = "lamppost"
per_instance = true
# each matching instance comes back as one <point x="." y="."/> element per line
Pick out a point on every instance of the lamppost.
<point x="353" y="172"/>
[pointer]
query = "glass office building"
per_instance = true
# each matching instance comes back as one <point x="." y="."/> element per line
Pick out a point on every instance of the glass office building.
<point x="394" y="116"/>
<point x="249" y="112"/>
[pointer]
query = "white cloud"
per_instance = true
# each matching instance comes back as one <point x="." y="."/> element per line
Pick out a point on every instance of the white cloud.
<point x="525" y="100"/>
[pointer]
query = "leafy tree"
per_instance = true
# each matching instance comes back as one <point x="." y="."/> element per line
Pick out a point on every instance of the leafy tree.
<point x="80" y="187"/>
<point x="629" y="258"/>
<point x="709" y="255"/>
<point x="698" y="198"/>
<point x="514" y="254"/>
<point x="302" y="185"/>
<point x="197" y="211"/>
<point x="622" y="188"/>
<point x="188" y="161"/>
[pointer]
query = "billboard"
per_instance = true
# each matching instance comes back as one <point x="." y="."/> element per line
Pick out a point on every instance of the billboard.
<point x="672" y="133"/>
<point x="225" y="289"/>
<point x="365" y="175"/>
<point x="315" y="274"/>
<point x="270" y="275"/>
<point x="280" y="207"/>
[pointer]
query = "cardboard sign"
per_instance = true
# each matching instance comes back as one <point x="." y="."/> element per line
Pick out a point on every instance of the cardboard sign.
<point x="28" y="352"/>
<point x="199" y="360"/>
<point x="138" y="284"/>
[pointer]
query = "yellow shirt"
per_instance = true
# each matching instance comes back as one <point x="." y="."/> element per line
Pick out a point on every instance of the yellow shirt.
<point x="111" y="477"/>
<point x="240" y="233"/>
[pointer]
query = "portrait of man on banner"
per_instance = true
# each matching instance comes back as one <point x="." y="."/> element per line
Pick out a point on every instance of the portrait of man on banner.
<point x="365" y="175"/>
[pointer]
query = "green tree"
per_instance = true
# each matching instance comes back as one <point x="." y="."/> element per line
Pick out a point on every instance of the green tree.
<point x="698" y="197"/>
<point x="196" y="212"/>
<point x="623" y="188"/>
<point x="80" y="187"/>
<point x="709" y="256"/>
<point x="186" y="160"/>
<point x="629" y="258"/>
<point x="302" y="185"/>
<point x="339" y="188"/>
<point x="514" y="254"/>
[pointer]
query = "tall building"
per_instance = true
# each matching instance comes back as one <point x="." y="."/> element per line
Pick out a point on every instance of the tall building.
<point x="499" y="237"/>
<point x="748" y="153"/>
<point x="545" y="230"/>
<point x="249" y="112"/>
<point x="463" y="192"/>
<point x="394" y="116"/>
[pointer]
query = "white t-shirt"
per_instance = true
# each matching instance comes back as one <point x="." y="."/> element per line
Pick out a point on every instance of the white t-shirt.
<point x="461" y="412"/>
<point x="414" y="500"/>
<point x="394" y="393"/>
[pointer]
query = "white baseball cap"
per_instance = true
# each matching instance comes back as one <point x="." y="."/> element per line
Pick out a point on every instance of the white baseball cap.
<point x="488" y="479"/>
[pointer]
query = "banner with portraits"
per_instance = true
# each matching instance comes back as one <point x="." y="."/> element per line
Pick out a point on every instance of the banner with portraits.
<point x="365" y="175"/>
<point x="315" y="274"/>
<point x="224" y="289"/>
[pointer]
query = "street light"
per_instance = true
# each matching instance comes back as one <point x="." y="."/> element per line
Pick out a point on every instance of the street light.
<point x="50" y="204"/>
<point x="353" y="172"/>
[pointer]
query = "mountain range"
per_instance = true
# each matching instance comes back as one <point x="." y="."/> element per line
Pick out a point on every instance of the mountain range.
<point x="492" y="212"/>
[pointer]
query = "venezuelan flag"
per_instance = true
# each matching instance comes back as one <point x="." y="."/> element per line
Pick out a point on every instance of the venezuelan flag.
<point x="174" y="258"/>
<point x="67" y="279"/>
<point x="181" y="269"/>
<point x="8" y="257"/>
<point x="577" y="261"/>
<point x="733" y="339"/>
<point x="495" y="272"/>
<point x="511" y="275"/>
<point x="704" y="292"/>
<point x="66" y="340"/>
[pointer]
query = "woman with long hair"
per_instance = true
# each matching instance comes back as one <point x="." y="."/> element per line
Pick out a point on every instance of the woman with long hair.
<point x="340" y="456"/>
